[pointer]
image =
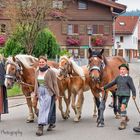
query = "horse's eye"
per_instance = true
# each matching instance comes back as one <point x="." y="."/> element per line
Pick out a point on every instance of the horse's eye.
<point x="89" y="61"/>
<point x="13" y="69"/>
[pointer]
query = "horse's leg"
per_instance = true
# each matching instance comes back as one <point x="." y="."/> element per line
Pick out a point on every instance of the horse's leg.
<point x="34" y="104"/>
<point x="67" y="101"/>
<point x="79" y="106"/>
<point x="115" y="105"/>
<point x="61" y="107"/>
<point x="97" y="101"/>
<point x="73" y="102"/>
<point x="95" y="109"/>
<point x="102" y="108"/>
<point x="30" y="118"/>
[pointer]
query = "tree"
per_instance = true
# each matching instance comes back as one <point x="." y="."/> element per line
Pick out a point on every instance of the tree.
<point x="30" y="16"/>
<point x="46" y="44"/>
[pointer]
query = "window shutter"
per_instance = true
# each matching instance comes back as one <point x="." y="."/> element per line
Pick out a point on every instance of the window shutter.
<point x="64" y="28"/>
<point x="75" y="28"/>
<point x="82" y="29"/>
<point x="100" y="29"/>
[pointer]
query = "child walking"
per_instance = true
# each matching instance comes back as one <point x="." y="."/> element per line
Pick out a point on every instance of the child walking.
<point x="124" y="85"/>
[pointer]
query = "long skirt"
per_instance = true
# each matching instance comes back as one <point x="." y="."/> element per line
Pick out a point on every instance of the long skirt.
<point x="47" y="108"/>
<point x="3" y="100"/>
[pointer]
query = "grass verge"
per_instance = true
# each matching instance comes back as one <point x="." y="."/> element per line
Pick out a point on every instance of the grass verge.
<point x="16" y="90"/>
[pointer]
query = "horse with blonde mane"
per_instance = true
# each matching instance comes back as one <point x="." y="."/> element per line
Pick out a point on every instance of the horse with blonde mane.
<point x="78" y="83"/>
<point x="21" y="69"/>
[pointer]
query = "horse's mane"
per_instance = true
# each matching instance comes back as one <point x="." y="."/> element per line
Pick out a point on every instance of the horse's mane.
<point x="26" y="60"/>
<point x="105" y="60"/>
<point x="77" y="69"/>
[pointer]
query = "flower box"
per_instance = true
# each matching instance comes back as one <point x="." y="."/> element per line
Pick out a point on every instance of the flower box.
<point x="73" y="40"/>
<point x="2" y="40"/>
<point x="98" y="40"/>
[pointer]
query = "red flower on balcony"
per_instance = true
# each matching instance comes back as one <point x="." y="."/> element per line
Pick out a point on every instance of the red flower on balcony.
<point x="2" y="39"/>
<point x="73" y="40"/>
<point x="98" y="40"/>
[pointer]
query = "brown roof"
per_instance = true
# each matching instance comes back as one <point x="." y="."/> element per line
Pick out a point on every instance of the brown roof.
<point x="117" y="7"/>
<point x="125" y="24"/>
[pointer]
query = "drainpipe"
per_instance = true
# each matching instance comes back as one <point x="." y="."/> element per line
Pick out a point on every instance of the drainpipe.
<point x="114" y="18"/>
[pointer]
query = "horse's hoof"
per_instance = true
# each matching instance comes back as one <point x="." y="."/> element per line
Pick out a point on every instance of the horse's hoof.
<point x="100" y="125"/>
<point x="76" y="119"/>
<point x="29" y="121"/>
<point x="117" y="116"/>
<point x="94" y="115"/>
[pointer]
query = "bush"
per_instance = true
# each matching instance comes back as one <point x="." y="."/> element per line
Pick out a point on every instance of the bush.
<point x="46" y="44"/>
<point x="13" y="47"/>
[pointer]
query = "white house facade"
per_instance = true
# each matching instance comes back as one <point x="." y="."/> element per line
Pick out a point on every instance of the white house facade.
<point x="126" y="37"/>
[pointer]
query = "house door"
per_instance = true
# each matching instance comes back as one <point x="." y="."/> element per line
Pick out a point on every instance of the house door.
<point x="127" y="58"/>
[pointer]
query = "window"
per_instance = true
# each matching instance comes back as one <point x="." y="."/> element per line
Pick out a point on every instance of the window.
<point x="95" y="29"/>
<point x="106" y="29"/>
<point x="58" y="4"/>
<point x="98" y="29"/>
<point x="82" y="5"/>
<point x="3" y="28"/>
<point x="72" y="29"/>
<point x="121" y="39"/>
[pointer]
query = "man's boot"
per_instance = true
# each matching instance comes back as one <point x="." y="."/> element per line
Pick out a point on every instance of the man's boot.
<point x="137" y="129"/>
<point x="127" y="119"/>
<point x="122" y="124"/>
<point x="51" y="126"/>
<point x="40" y="130"/>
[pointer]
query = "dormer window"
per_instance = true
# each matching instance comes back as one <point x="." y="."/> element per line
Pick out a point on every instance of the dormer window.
<point x="82" y="5"/>
<point x="58" y="4"/>
<point x="122" y="23"/>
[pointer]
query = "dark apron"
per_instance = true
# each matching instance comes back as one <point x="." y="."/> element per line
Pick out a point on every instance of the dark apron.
<point x="3" y="91"/>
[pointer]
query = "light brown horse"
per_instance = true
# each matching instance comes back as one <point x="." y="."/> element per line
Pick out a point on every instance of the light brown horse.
<point x="21" y="69"/>
<point x="102" y="71"/>
<point x="78" y="83"/>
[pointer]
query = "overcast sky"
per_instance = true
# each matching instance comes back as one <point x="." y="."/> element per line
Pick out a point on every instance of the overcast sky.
<point x="131" y="4"/>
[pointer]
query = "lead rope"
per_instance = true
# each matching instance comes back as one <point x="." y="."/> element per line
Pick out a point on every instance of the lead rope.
<point x="139" y="98"/>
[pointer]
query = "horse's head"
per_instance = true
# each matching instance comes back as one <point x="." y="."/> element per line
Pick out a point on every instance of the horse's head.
<point x="13" y="71"/>
<point x="64" y="66"/>
<point x="96" y="64"/>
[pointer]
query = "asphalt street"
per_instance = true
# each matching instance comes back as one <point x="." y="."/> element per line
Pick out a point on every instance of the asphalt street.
<point x="14" y="127"/>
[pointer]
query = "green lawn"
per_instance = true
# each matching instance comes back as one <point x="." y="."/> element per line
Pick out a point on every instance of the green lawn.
<point x="16" y="90"/>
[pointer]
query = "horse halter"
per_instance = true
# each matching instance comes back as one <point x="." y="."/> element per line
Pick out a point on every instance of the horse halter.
<point x="18" y="70"/>
<point x="98" y="68"/>
<point x="66" y="70"/>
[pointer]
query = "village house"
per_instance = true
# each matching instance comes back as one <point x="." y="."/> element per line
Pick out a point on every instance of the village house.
<point x="88" y="23"/>
<point x="126" y="37"/>
<point x="139" y="39"/>
<point x="78" y="24"/>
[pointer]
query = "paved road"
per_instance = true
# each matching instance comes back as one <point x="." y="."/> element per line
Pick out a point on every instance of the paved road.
<point x="14" y="126"/>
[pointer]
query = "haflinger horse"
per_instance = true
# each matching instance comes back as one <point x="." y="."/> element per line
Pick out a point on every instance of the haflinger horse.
<point x="21" y="69"/>
<point x="103" y="70"/>
<point x="78" y="83"/>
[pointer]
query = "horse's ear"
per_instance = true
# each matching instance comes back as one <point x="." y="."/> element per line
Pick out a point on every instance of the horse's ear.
<point x="13" y="58"/>
<point x="89" y="52"/>
<point x="102" y="51"/>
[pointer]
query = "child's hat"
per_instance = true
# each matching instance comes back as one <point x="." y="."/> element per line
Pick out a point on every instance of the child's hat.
<point x="124" y="65"/>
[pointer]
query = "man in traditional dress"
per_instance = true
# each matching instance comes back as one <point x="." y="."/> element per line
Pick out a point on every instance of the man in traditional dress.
<point x="3" y="91"/>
